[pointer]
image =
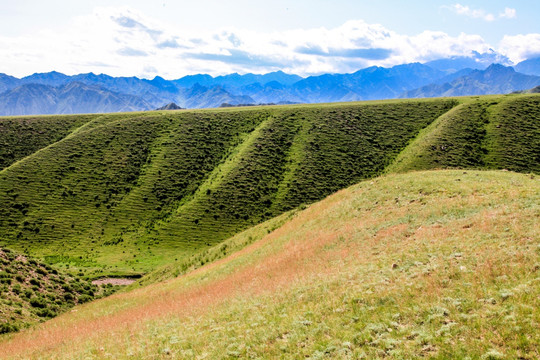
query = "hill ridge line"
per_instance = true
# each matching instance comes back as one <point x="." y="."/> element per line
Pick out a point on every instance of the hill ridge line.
<point x="76" y="131"/>
<point x="294" y="156"/>
<point x="45" y="147"/>
<point x="407" y="154"/>
<point x="223" y="169"/>
<point x="145" y="170"/>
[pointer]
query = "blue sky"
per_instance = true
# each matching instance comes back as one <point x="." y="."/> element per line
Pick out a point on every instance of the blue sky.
<point x="175" y="38"/>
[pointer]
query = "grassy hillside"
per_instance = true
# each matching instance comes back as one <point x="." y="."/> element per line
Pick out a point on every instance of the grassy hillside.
<point x="494" y="132"/>
<point x="31" y="291"/>
<point x="20" y="137"/>
<point x="125" y="193"/>
<point x="440" y="264"/>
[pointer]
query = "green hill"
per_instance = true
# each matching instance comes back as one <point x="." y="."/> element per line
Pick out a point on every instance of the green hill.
<point x="20" y="137"/>
<point x="125" y="193"/>
<point x="435" y="264"/>
<point x="399" y="266"/>
<point x="484" y="133"/>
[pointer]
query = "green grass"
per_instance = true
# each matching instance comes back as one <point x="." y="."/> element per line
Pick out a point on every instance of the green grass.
<point x="435" y="264"/>
<point x="21" y="137"/>
<point x="127" y="193"/>
<point x="492" y="132"/>
<point x="431" y="264"/>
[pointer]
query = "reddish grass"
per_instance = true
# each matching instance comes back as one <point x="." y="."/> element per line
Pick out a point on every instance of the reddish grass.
<point x="274" y="271"/>
<point x="272" y="266"/>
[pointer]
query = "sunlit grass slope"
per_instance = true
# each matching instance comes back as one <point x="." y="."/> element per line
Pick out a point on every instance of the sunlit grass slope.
<point x="125" y="193"/>
<point x="440" y="264"/>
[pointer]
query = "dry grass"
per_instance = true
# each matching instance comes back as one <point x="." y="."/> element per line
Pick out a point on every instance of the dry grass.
<point x="439" y="265"/>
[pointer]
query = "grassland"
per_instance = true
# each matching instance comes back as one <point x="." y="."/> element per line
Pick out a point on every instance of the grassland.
<point x="24" y="136"/>
<point x="491" y="132"/>
<point x="435" y="264"/>
<point x="123" y="194"/>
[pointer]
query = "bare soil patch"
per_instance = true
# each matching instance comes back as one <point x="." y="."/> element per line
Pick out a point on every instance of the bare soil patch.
<point x="114" y="281"/>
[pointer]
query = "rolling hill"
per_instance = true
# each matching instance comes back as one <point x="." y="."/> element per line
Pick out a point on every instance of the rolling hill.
<point x="381" y="269"/>
<point x="438" y="264"/>
<point x="123" y="193"/>
<point x="126" y="193"/>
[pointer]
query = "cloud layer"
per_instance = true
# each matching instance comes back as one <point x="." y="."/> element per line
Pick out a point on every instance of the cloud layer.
<point x="465" y="10"/>
<point x="124" y="42"/>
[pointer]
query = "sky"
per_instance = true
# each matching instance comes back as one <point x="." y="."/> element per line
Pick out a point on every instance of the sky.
<point x="306" y="37"/>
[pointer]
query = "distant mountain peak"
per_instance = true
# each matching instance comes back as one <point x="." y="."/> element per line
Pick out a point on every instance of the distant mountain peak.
<point x="530" y="66"/>
<point x="170" y="106"/>
<point x="499" y="67"/>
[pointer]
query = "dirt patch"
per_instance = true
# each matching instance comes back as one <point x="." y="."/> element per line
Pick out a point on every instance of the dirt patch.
<point x="114" y="281"/>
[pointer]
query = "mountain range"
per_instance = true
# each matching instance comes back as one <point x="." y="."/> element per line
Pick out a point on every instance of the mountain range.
<point x="496" y="79"/>
<point x="57" y="93"/>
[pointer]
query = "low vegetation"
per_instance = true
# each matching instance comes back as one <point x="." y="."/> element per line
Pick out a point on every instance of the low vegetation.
<point x="171" y="193"/>
<point x="31" y="291"/>
<point x="493" y="132"/>
<point x="126" y="193"/>
<point x="21" y="137"/>
<point x="438" y="264"/>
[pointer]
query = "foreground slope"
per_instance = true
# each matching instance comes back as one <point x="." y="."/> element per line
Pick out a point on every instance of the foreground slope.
<point x="124" y="193"/>
<point x="441" y="264"/>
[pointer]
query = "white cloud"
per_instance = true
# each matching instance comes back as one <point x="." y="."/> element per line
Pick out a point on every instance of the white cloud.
<point x="125" y="42"/>
<point x="508" y="13"/>
<point x="465" y="10"/>
<point x="473" y="13"/>
<point x="520" y="47"/>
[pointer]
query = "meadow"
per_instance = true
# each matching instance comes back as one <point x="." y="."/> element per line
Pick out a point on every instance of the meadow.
<point x="218" y="216"/>
<point x="437" y="264"/>
<point x="126" y="193"/>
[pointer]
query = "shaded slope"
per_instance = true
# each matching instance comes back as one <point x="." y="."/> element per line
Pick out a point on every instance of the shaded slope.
<point x="126" y="193"/>
<point x="487" y="132"/>
<point x="68" y="188"/>
<point x="433" y="264"/>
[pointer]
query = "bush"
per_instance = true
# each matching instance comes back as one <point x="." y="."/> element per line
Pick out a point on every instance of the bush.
<point x="42" y="271"/>
<point x="84" y="298"/>
<point x="16" y="289"/>
<point x="38" y="302"/>
<point x="46" y="313"/>
<point x="6" y="328"/>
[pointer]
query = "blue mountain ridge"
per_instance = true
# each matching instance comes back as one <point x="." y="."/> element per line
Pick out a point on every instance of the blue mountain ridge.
<point x="104" y="93"/>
